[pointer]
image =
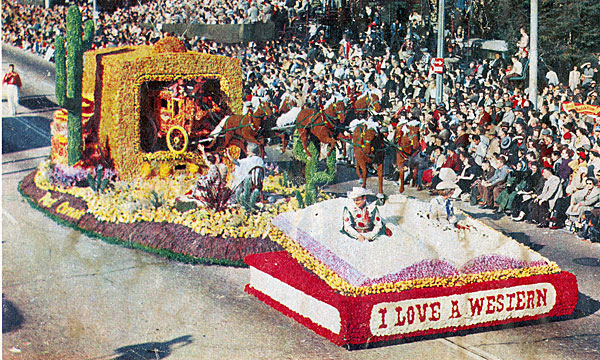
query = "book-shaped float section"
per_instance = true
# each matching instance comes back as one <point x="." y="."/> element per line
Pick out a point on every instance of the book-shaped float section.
<point x="420" y="278"/>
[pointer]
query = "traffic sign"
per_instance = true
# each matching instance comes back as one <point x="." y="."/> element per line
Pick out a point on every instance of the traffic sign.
<point x="437" y="65"/>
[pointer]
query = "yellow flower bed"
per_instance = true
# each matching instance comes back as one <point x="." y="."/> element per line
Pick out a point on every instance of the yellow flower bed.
<point x="154" y="199"/>
<point x="271" y="184"/>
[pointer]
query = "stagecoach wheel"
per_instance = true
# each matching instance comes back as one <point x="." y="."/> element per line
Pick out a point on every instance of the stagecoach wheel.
<point x="177" y="139"/>
<point x="148" y="134"/>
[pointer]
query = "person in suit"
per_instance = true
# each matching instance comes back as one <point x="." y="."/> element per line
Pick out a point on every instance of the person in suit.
<point x="544" y="203"/>
<point x="583" y="200"/>
<point x="574" y="78"/>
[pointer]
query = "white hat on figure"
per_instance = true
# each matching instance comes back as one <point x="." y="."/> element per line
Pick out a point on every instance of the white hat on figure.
<point x="358" y="192"/>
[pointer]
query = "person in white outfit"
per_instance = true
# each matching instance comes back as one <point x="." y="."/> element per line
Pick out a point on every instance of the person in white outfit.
<point x="13" y="84"/>
<point x="441" y="210"/>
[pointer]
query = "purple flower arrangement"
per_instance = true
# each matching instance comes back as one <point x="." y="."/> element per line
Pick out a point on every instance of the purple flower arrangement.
<point x="67" y="176"/>
<point x="272" y="168"/>
<point x="495" y="262"/>
<point x="109" y="173"/>
<point x="428" y="268"/>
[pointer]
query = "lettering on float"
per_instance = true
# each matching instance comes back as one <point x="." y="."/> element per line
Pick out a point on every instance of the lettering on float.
<point x="47" y="200"/>
<point x="391" y="318"/>
<point x="63" y="208"/>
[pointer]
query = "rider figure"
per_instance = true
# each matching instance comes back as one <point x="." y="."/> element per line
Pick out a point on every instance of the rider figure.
<point x="178" y="89"/>
<point x="362" y="222"/>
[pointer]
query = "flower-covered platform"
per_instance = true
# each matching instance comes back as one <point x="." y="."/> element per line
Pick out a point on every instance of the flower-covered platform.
<point x="144" y="215"/>
<point x="423" y="279"/>
<point x="134" y="164"/>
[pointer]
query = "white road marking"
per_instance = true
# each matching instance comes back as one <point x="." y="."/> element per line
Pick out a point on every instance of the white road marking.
<point x="9" y="217"/>
<point x="469" y="352"/>
<point x="34" y="128"/>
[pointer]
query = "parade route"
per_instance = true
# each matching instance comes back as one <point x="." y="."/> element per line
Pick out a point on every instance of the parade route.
<point x="69" y="296"/>
<point x="75" y="297"/>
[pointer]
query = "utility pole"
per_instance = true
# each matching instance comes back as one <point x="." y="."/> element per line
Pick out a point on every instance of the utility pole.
<point x="95" y="16"/>
<point x="533" y="54"/>
<point x="440" y="53"/>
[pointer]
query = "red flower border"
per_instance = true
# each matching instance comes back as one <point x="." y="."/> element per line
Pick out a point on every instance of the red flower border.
<point x="355" y="312"/>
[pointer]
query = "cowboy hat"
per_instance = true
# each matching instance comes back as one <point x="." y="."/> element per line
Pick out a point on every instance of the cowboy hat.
<point x="446" y="185"/>
<point x="358" y="192"/>
<point x="448" y="175"/>
<point x="449" y="179"/>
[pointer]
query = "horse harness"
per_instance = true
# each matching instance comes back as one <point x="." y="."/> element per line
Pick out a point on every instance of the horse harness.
<point x="326" y="118"/>
<point x="364" y="143"/>
<point x="371" y="104"/>
<point x="250" y="124"/>
<point x="405" y="151"/>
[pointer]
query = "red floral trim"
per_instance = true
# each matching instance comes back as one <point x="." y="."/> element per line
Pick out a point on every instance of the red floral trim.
<point x="355" y="312"/>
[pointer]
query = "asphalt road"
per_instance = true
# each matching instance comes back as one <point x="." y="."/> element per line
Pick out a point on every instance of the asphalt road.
<point x="67" y="296"/>
<point x="30" y="128"/>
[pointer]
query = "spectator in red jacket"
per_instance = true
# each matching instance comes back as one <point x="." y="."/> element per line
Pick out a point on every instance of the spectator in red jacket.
<point x="483" y="117"/>
<point x="12" y="81"/>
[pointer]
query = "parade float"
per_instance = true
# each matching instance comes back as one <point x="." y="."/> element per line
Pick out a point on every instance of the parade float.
<point x="420" y="280"/>
<point x="125" y="163"/>
<point x="128" y="164"/>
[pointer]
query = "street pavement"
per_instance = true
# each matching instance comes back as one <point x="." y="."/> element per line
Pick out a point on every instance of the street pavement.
<point x="68" y="296"/>
<point x="30" y="128"/>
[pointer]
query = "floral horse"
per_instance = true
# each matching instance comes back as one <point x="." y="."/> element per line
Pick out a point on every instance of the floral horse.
<point x="369" y="148"/>
<point x="367" y="103"/>
<point x="406" y="140"/>
<point x="324" y="123"/>
<point x="239" y="129"/>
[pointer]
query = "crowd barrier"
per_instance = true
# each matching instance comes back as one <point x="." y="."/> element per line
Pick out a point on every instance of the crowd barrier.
<point x="223" y="33"/>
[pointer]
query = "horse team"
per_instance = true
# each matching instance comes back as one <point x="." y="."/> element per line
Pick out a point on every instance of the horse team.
<point x="326" y="125"/>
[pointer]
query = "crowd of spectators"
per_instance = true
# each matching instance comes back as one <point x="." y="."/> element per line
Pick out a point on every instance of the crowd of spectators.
<point x="34" y="28"/>
<point x="539" y="165"/>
